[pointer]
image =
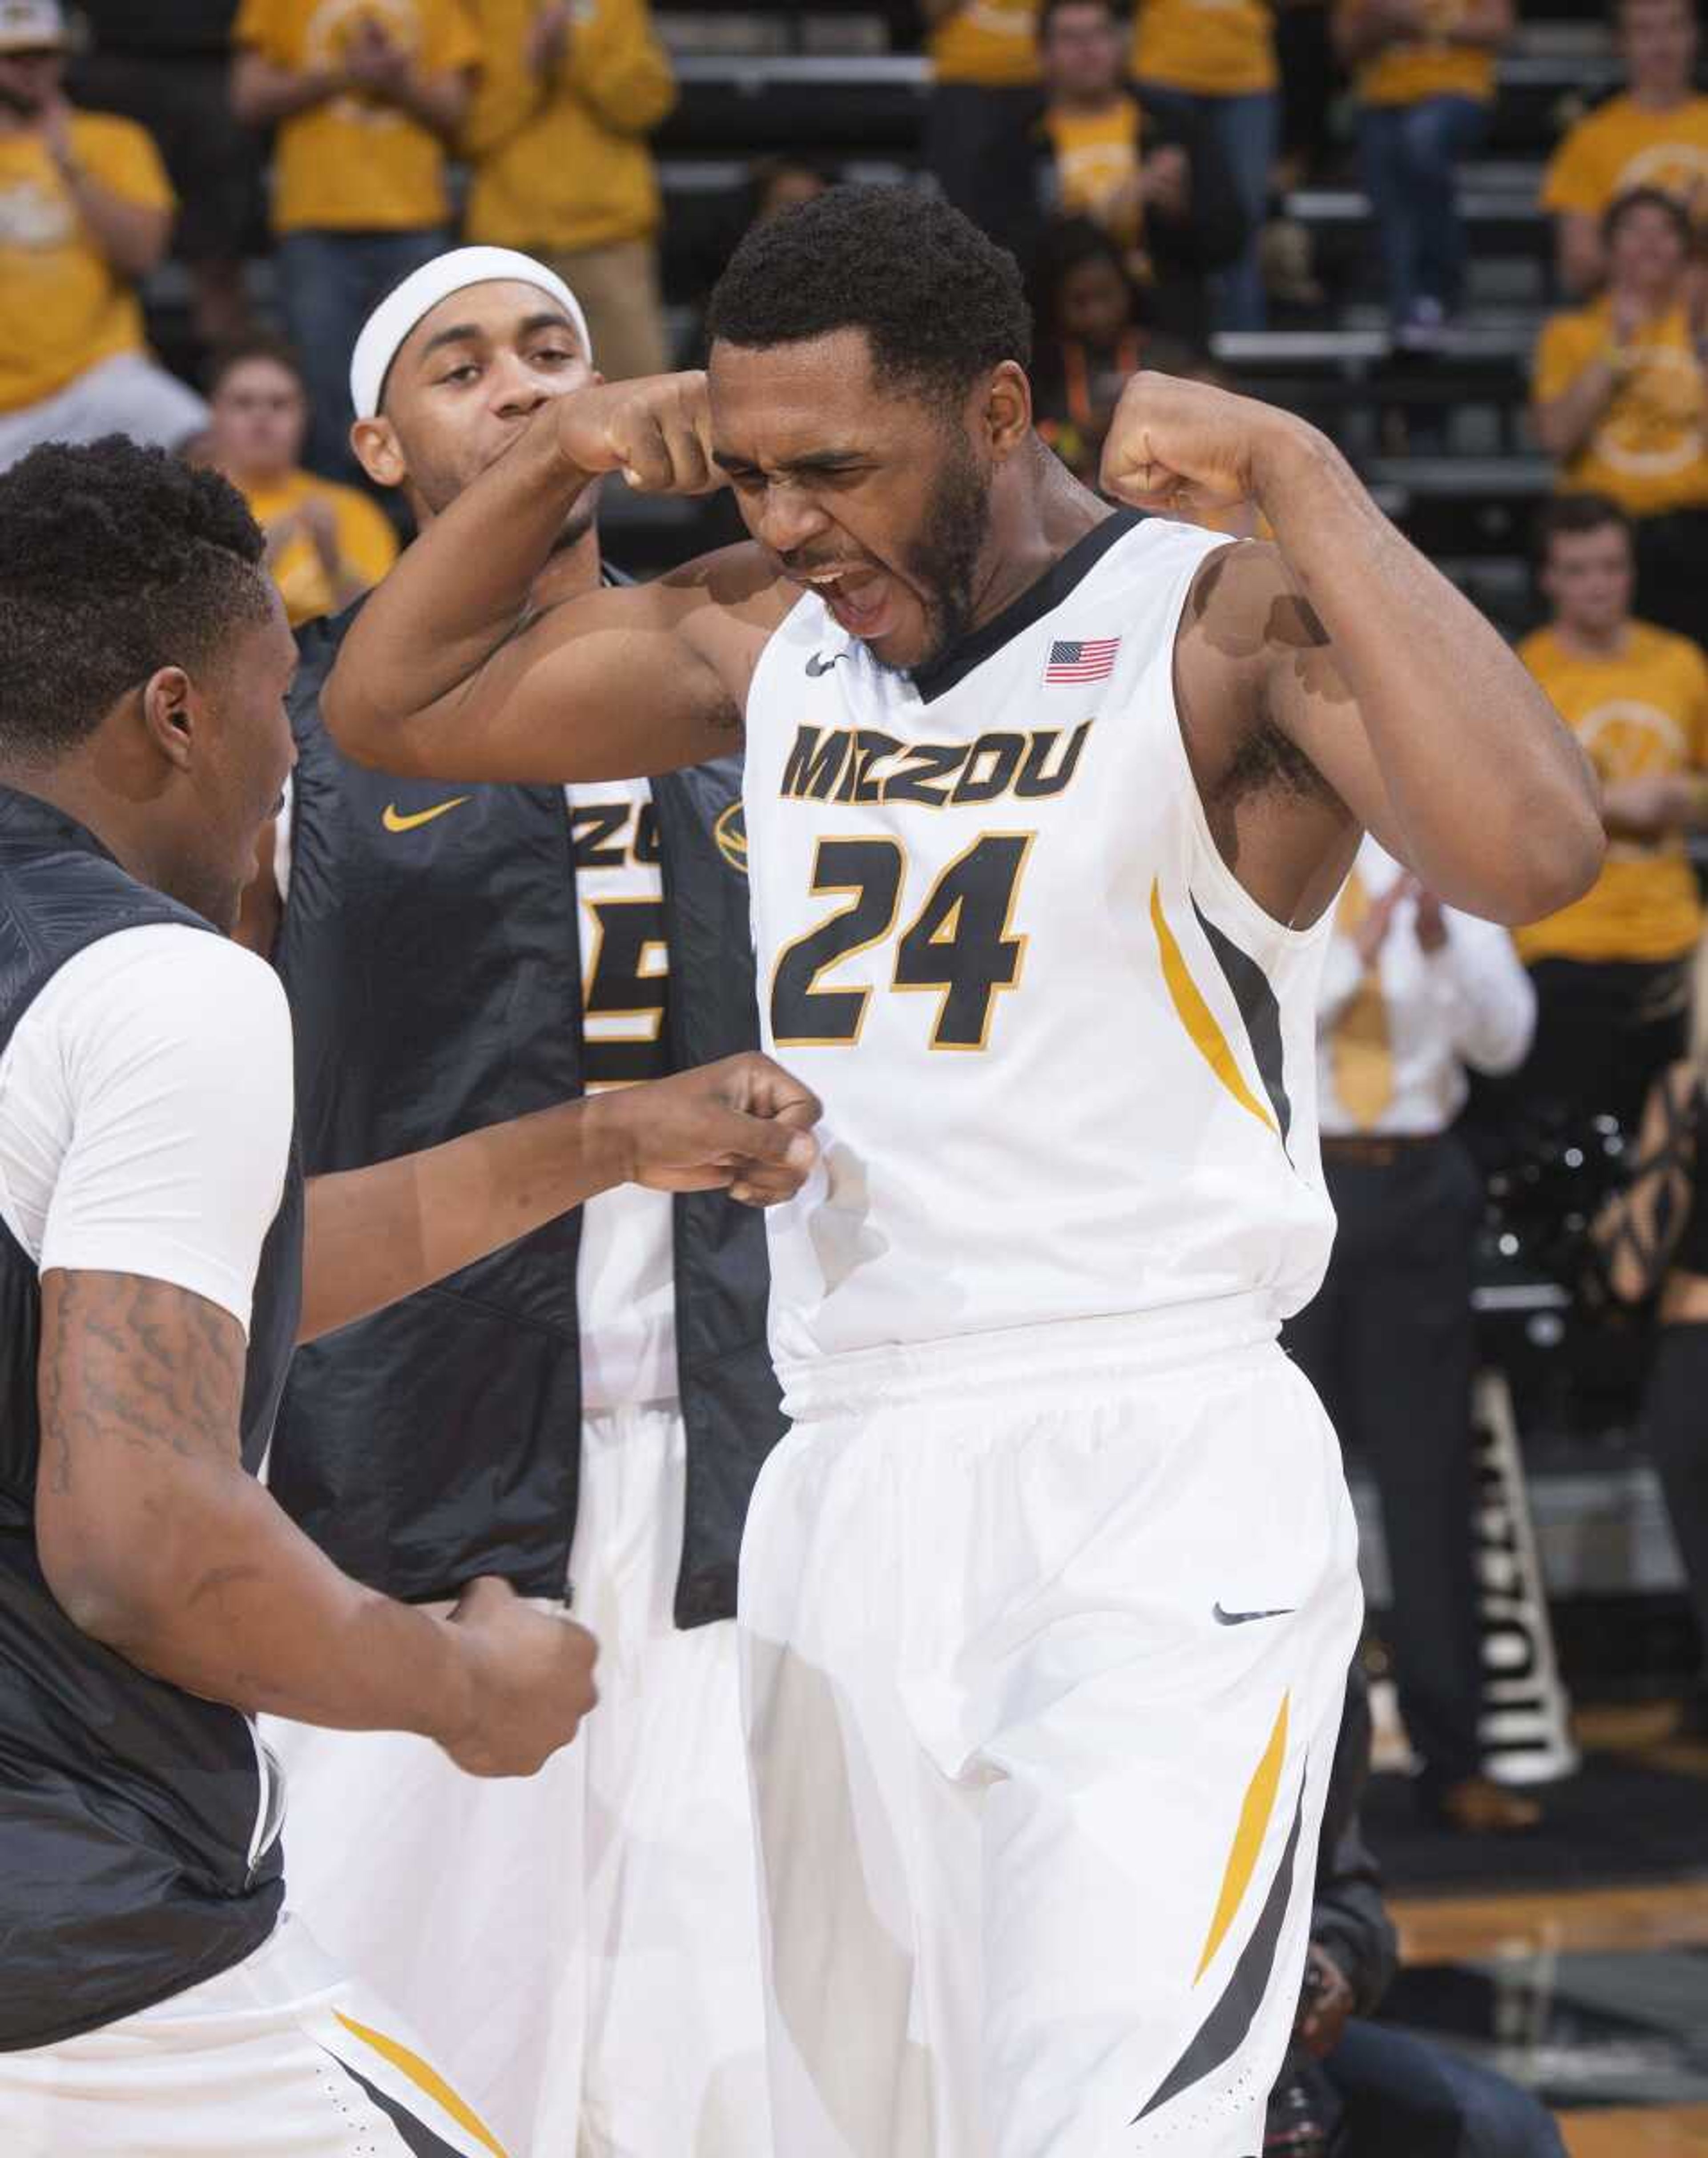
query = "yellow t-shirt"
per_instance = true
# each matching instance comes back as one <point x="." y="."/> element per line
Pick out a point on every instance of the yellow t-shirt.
<point x="1434" y="65"/>
<point x="991" y="43"/>
<point x="1213" y="48"/>
<point x="1097" y="157"/>
<point x="564" y="165"/>
<point x="1649" y="449"/>
<point x="355" y="163"/>
<point x="366" y="541"/>
<point x="1621" y="146"/>
<point x="1643" y="711"/>
<point x="65" y="307"/>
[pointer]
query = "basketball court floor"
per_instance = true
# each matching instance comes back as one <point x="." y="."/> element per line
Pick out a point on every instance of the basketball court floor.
<point x="1592" y="1991"/>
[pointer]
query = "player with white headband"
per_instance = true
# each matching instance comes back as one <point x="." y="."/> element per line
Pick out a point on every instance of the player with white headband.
<point x="592" y="1407"/>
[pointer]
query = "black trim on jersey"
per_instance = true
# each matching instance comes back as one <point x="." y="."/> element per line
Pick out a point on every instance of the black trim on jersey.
<point x="420" y="2140"/>
<point x="938" y="676"/>
<point x="1259" y="1012"/>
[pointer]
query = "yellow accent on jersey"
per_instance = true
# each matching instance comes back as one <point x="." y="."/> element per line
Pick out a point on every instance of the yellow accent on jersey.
<point x="1255" y="1812"/>
<point x="1196" y="1016"/>
<point x="425" y="2077"/>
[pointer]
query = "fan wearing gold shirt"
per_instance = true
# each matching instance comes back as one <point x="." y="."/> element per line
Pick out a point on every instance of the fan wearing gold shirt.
<point x="1214" y="60"/>
<point x="1620" y="400"/>
<point x="983" y="100"/>
<point x="367" y="97"/>
<point x="1611" y="969"/>
<point x="1153" y="179"/>
<point x="327" y="545"/>
<point x="1654" y="134"/>
<point x="85" y="208"/>
<point x="1424" y="74"/>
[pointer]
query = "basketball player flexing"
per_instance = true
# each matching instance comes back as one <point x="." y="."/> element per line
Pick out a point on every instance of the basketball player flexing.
<point x="1047" y="1597"/>
<point x="159" y="1256"/>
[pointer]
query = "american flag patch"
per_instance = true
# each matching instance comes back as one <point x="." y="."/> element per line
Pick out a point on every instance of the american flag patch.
<point x="1092" y="660"/>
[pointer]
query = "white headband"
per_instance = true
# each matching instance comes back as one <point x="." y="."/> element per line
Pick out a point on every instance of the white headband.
<point x="385" y="331"/>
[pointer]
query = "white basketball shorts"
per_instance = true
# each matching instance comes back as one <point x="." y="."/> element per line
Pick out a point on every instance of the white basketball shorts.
<point x="1044" y="1640"/>
<point x="584" y="1942"/>
<point x="282" y="2053"/>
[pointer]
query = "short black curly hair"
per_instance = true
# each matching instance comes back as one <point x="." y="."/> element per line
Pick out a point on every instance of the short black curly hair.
<point x="115" y="562"/>
<point x="940" y="304"/>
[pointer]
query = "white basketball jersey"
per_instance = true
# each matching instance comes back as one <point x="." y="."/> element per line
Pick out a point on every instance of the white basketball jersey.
<point x="1068" y="1063"/>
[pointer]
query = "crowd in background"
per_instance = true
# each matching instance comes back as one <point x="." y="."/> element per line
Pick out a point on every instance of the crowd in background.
<point x="1131" y="159"/>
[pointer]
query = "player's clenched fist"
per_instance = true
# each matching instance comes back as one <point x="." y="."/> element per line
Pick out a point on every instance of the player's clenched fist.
<point x="742" y="1126"/>
<point x="1183" y="446"/>
<point x="528" y="1681"/>
<point x="657" y="432"/>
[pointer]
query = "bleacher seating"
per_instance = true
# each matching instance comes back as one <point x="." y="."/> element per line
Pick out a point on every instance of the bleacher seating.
<point x="1441" y="439"/>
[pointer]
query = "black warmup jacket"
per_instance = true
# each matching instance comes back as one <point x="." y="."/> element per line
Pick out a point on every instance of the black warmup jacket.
<point x="434" y="973"/>
<point x="138" y="1825"/>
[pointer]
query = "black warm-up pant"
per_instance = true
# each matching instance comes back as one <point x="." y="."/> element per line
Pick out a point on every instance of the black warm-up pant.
<point x="1389" y="1345"/>
<point x="1678" y="1439"/>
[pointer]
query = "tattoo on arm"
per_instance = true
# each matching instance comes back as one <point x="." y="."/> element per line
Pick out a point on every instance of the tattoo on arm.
<point x="138" y="1363"/>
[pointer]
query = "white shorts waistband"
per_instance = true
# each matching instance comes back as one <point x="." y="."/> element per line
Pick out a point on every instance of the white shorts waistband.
<point x="1015" y="1359"/>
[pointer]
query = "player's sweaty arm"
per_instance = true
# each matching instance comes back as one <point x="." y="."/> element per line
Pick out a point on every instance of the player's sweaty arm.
<point x="376" y="1235"/>
<point x="155" y="1543"/>
<point x="444" y="672"/>
<point x="1408" y="703"/>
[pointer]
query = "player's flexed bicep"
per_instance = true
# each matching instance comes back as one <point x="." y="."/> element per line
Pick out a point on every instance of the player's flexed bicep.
<point x="445" y="673"/>
<point x="1370" y="668"/>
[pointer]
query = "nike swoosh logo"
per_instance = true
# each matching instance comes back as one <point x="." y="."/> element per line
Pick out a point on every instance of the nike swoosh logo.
<point x="818" y="664"/>
<point x="1245" y="1617"/>
<point x="395" y="820"/>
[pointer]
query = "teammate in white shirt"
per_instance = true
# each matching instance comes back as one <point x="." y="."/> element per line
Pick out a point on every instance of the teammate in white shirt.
<point x="1414" y="995"/>
<point x="1047" y="1599"/>
<point x="159" y="1257"/>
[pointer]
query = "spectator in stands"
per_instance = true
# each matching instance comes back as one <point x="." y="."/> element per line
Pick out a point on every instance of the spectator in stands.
<point x="1394" y="2095"/>
<point x="1154" y="178"/>
<point x="1423" y="76"/>
<point x="1091" y="340"/>
<point x="366" y="100"/>
<point x="1655" y="134"/>
<point x="1654" y="1237"/>
<point x="772" y="185"/>
<point x="984" y="98"/>
<point x="167" y="64"/>
<point x="1611" y="971"/>
<point x="558" y="136"/>
<point x="1621" y="402"/>
<point x="775" y="184"/>
<point x="1413" y="993"/>
<point x="1214" y="60"/>
<point x="327" y="545"/>
<point x="86" y="208"/>
<point x="1310" y="84"/>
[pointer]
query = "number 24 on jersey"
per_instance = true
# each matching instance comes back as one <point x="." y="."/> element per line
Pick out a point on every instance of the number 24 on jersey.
<point x="960" y="944"/>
